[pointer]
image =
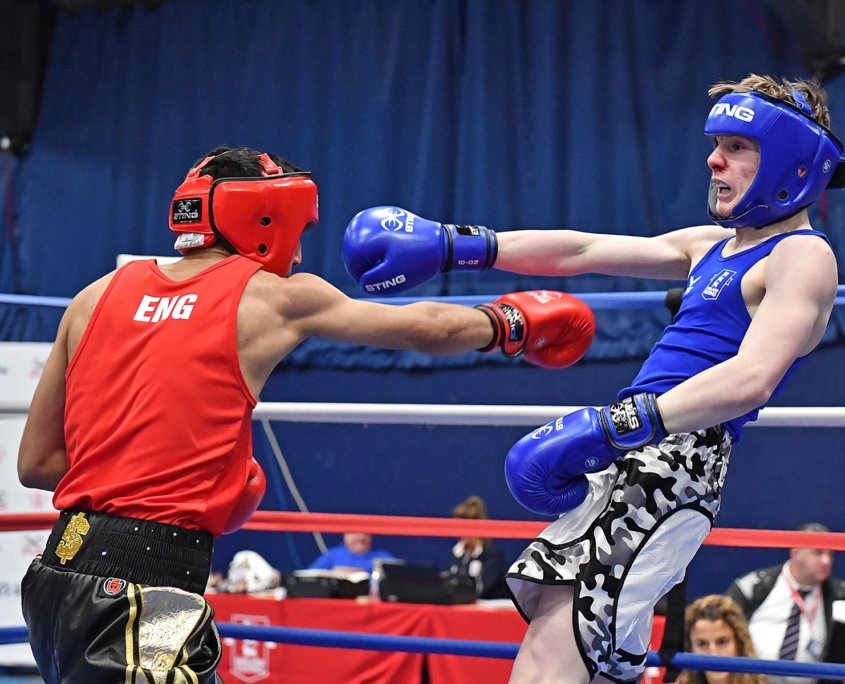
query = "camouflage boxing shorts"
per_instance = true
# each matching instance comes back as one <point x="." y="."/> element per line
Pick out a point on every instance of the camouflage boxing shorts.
<point x="629" y="543"/>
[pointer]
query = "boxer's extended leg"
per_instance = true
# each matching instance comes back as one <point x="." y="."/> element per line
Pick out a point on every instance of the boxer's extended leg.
<point x="549" y="653"/>
<point x="620" y="551"/>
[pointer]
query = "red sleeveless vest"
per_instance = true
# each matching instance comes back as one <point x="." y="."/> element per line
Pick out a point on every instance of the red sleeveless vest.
<point x="158" y="417"/>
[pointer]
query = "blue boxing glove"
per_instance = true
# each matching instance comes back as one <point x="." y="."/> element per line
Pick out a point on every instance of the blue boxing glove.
<point x="388" y="250"/>
<point x="545" y="470"/>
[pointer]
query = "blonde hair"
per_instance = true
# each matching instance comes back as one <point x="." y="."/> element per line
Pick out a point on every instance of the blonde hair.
<point x="768" y="85"/>
<point x="714" y="608"/>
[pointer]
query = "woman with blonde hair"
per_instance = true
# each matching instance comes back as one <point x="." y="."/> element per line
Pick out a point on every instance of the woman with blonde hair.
<point x="714" y="625"/>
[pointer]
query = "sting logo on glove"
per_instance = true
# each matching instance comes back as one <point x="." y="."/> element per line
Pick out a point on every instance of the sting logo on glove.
<point x="552" y="329"/>
<point x="516" y="324"/>
<point x="544" y="296"/>
<point x="546" y="469"/>
<point x="625" y="416"/>
<point x="633" y="422"/>
<point x="382" y="242"/>
<point x="396" y="221"/>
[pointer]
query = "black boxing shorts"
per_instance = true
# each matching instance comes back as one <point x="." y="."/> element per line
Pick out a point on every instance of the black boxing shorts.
<point x="116" y="599"/>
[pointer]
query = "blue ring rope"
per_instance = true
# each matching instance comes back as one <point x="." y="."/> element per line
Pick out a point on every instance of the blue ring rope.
<point x="13" y="635"/>
<point x="495" y="649"/>
<point x="595" y="300"/>
<point x="368" y="642"/>
<point x="33" y="300"/>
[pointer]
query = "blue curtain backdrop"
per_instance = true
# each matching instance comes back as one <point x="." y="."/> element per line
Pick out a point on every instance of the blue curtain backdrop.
<point x="535" y="114"/>
<point x="516" y="114"/>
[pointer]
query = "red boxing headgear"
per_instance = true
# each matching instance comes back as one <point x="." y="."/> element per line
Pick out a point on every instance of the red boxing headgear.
<point x="261" y="218"/>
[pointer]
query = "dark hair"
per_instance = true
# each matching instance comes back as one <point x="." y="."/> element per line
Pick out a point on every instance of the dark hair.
<point x="672" y="301"/>
<point x="811" y="527"/>
<point x="239" y="162"/>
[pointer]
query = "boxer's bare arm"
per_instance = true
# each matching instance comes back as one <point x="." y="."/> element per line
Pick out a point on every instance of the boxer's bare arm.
<point x="276" y="314"/>
<point x="800" y="282"/>
<point x="313" y="307"/>
<point x="42" y="457"/>
<point x="568" y="252"/>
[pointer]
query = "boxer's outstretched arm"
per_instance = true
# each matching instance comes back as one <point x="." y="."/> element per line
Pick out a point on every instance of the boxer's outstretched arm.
<point x="42" y="456"/>
<point x="569" y="252"/>
<point x="800" y="288"/>
<point x="315" y="308"/>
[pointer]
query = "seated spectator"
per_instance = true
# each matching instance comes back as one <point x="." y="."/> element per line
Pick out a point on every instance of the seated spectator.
<point x="356" y="553"/>
<point x="248" y="573"/>
<point x="478" y="557"/>
<point x="790" y="608"/>
<point x="715" y="626"/>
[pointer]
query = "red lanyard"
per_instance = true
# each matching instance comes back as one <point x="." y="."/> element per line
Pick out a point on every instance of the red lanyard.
<point x="810" y="616"/>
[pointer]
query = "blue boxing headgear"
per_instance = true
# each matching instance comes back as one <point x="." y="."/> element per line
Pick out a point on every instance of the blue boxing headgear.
<point x="790" y="141"/>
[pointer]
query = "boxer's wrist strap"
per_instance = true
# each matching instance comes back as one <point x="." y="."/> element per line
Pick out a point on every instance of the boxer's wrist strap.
<point x="509" y="329"/>
<point x="496" y="322"/>
<point x="469" y="248"/>
<point x="633" y="423"/>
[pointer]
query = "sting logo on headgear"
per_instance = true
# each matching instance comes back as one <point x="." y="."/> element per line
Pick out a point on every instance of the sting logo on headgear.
<point x="260" y="218"/>
<point x="187" y="210"/>
<point x="736" y="111"/>
<point x="797" y="156"/>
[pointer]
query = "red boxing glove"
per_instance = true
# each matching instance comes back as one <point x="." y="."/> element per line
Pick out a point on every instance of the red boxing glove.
<point x="249" y="499"/>
<point x="552" y="329"/>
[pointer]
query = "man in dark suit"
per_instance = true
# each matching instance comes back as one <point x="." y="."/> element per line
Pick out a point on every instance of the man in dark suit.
<point x="795" y="610"/>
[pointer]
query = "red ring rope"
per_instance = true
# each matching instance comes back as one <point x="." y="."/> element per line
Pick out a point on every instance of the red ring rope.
<point x="282" y="521"/>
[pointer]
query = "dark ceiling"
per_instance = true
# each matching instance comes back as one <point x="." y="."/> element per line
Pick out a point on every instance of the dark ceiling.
<point x="102" y="4"/>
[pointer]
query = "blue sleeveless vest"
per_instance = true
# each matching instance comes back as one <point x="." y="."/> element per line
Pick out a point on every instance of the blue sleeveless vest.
<point x="709" y="326"/>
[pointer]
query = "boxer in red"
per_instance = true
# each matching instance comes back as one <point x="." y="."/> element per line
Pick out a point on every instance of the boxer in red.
<point x="141" y="422"/>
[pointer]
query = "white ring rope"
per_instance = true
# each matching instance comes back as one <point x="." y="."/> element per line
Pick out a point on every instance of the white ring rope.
<point x="477" y="414"/>
<point x="502" y="415"/>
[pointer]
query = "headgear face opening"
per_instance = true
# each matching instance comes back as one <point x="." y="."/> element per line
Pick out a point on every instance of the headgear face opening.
<point x="260" y="218"/>
<point x="797" y="156"/>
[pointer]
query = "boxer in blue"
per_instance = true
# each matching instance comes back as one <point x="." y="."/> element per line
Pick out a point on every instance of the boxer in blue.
<point x="637" y="484"/>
